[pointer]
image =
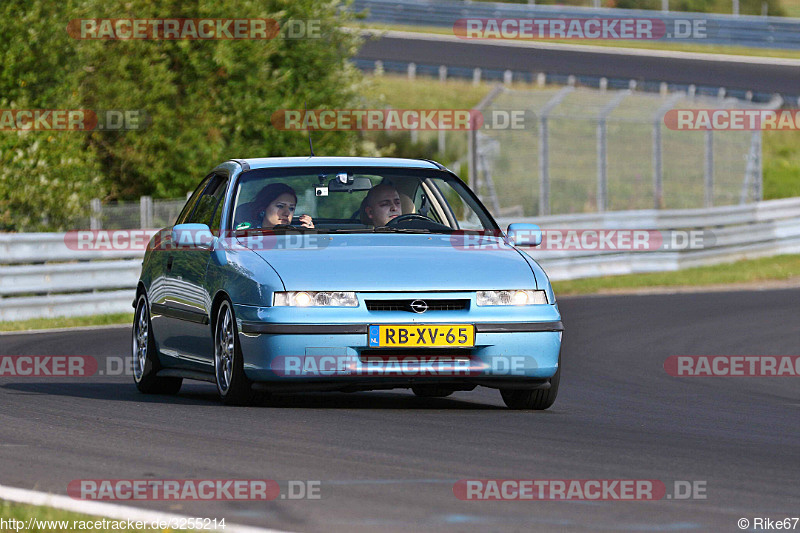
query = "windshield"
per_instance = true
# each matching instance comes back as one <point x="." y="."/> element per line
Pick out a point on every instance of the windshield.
<point x="356" y="200"/>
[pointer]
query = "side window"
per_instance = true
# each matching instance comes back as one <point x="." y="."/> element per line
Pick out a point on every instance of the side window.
<point x="216" y="217"/>
<point x="209" y="202"/>
<point x="189" y="207"/>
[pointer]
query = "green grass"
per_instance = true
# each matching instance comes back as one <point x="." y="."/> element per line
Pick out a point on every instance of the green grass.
<point x="67" y="322"/>
<point x="642" y="45"/>
<point x="781" y="267"/>
<point x="792" y="7"/>
<point x="423" y="93"/>
<point x="18" y="511"/>
<point x="781" y="153"/>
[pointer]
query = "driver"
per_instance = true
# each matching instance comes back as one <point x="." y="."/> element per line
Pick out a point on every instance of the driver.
<point x="381" y="205"/>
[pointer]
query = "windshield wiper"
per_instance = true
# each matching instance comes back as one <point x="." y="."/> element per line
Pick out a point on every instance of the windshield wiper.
<point x="388" y="229"/>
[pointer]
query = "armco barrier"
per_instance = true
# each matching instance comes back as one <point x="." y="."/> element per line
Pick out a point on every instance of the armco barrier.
<point x="41" y="277"/>
<point x="745" y="30"/>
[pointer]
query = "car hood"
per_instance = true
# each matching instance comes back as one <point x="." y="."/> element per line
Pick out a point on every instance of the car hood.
<point x="395" y="262"/>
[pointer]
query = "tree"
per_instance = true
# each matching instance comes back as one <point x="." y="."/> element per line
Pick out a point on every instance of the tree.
<point x="206" y="100"/>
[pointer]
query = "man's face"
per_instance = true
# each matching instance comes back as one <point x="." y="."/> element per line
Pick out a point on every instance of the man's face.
<point x="383" y="206"/>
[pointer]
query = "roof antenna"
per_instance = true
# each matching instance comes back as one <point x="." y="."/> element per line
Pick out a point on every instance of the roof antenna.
<point x="311" y="146"/>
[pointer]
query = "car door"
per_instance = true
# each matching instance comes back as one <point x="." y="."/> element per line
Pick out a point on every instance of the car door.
<point x="187" y="305"/>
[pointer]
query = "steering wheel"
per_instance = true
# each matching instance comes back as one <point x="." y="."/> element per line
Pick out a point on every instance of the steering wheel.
<point x="407" y="216"/>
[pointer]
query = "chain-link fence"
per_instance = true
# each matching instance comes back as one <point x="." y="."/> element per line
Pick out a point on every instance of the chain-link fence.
<point x="146" y="213"/>
<point x="583" y="150"/>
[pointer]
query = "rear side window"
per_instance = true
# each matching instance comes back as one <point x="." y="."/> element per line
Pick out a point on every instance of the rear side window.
<point x="210" y="203"/>
<point x="189" y="207"/>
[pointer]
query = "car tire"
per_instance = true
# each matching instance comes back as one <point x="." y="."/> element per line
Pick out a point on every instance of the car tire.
<point x="233" y="386"/>
<point x="431" y="391"/>
<point x="145" y="359"/>
<point x="537" y="399"/>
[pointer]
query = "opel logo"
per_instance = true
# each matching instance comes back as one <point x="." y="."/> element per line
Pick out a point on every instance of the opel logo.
<point x="419" y="306"/>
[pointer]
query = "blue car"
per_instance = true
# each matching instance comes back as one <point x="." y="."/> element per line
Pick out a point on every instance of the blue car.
<point x="296" y="274"/>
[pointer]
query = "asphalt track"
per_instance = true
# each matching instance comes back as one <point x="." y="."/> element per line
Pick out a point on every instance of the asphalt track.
<point x="758" y="74"/>
<point x="388" y="460"/>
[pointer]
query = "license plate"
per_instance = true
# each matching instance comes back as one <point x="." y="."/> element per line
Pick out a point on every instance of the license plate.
<point x="422" y="336"/>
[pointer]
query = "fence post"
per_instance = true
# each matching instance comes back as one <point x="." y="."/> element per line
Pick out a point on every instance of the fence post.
<point x="602" y="144"/>
<point x="95" y="221"/>
<point x="657" y="165"/>
<point x="658" y="118"/>
<point x="758" y="193"/>
<point x="753" y="174"/>
<point x="145" y="212"/>
<point x="544" y="150"/>
<point x="602" y="178"/>
<point x="708" y="169"/>
<point x="472" y="136"/>
<point x="544" y="168"/>
<point x="441" y="142"/>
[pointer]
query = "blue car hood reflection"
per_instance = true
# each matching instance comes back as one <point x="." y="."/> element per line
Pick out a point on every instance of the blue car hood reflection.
<point x="395" y="262"/>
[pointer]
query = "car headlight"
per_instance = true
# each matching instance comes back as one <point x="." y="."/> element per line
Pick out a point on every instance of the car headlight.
<point x="519" y="297"/>
<point x="315" y="299"/>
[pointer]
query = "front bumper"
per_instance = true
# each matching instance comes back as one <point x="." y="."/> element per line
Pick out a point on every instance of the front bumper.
<point x="515" y="346"/>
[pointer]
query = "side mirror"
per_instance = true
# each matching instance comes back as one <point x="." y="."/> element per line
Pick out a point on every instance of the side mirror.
<point x="192" y="236"/>
<point x="521" y="234"/>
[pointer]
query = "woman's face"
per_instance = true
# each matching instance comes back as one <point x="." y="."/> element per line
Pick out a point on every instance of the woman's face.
<point x="280" y="211"/>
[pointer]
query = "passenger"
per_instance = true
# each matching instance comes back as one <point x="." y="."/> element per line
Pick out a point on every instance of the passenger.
<point x="279" y="202"/>
<point x="381" y="205"/>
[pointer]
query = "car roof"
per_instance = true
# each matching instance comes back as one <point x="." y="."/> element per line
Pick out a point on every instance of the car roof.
<point x="314" y="161"/>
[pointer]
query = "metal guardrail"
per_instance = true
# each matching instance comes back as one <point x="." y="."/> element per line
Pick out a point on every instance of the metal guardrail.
<point x="762" y="229"/>
<point x="754" y="31"/>
<point x="60" y="281"/>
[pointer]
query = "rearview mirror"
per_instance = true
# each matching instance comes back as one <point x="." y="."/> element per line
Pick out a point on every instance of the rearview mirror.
<point x="521" y="234"/>
<point x="353" y="184"/>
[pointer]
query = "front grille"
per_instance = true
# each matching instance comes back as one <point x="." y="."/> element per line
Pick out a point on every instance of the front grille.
<point x="405" y="305"/>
